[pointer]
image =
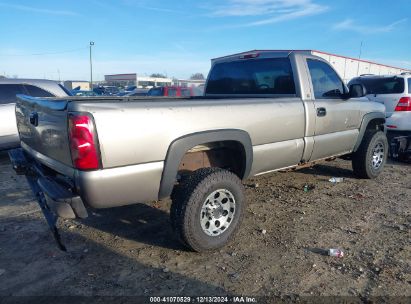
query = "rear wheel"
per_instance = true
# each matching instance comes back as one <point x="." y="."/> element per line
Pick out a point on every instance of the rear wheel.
<point x="369" y="160"/>
<point x="208" y="208"/>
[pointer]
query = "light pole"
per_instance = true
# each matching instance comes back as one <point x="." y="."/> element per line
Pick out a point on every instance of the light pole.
<point x="91" y="68"/>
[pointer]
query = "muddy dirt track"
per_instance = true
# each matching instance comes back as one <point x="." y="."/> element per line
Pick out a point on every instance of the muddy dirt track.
<point x="132" y="250"/>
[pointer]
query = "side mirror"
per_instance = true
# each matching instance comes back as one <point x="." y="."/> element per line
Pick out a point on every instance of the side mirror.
<point x="357" y="90"/>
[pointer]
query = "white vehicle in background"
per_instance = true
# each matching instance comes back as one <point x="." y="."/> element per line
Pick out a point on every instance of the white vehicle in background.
<point x="394" y="91"/>
<point x="9" y="88"/>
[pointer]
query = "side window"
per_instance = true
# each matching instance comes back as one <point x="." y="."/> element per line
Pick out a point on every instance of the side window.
<point x="409" y="85"/>
<point x="36" y="91"/>
<point x="8" y="92"/>
<point x="326" y="82"/>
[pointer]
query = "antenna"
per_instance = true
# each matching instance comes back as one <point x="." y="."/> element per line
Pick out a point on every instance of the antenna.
<point x="359" y="56"/>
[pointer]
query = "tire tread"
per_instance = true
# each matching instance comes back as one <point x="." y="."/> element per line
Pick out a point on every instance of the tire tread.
<point x="187" y="194"/>
<point x="360" y="163"/>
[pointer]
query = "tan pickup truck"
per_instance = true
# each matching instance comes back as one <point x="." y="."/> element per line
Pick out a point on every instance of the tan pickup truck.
<point x="262" y="111"/>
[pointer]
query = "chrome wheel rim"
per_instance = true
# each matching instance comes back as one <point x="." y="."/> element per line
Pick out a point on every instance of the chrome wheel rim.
<point x="378" y="155"/>
<point x="217" y="212"/>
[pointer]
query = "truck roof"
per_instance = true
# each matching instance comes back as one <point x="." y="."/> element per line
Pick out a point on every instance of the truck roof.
<point x="51" y="86"/>
<point x="41" y="82"/>
<point x="285" y="53"/>
<point x="266" y="53"/>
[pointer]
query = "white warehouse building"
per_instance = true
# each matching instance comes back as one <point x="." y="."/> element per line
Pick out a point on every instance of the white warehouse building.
<point x="349" y="68"/>
<point x="132" y="79"/>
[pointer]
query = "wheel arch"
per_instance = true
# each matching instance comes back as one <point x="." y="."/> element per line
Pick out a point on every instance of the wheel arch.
<point x="180" y="146"/>
<point x="373" y="120"/>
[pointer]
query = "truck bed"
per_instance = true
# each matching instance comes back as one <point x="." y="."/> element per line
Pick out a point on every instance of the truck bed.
<point x="124" y="123"/>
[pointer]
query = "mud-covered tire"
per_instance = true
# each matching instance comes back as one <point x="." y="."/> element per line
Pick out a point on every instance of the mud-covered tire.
<point x="369" y="160"/>
<point x="187" y="209"/>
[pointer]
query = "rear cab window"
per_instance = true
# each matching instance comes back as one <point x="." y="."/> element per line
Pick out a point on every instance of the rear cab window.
<point x="258" y="76"/>
<point x="384" y="85"/>
<point x="409" y="85"/>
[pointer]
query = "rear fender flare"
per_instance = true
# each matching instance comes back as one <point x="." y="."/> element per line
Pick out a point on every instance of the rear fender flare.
<point x="181" y="145"/>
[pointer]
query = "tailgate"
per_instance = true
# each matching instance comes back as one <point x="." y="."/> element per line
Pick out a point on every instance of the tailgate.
<point x="42" y="125"/>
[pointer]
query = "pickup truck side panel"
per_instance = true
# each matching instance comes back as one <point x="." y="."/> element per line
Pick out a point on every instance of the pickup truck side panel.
<point x="264" y="119"/>
<point x="133" y="173"/>
<point x="120" y="186"/>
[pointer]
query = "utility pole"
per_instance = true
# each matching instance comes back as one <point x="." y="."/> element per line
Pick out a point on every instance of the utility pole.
<point x="91" y="67"/>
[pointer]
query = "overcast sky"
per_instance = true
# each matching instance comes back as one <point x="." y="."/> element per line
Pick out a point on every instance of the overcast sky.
<point x="48" y="38"/>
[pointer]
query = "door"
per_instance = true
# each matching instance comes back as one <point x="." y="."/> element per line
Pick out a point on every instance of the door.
<point x="337" y="120"/>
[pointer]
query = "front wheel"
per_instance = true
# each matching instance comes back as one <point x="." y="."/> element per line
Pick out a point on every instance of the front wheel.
<point x="208" y="210"/>
<point x="369" y="160"/>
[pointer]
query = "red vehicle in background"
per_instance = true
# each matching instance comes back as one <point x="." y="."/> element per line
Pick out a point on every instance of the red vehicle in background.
<point x="174" y="91"/>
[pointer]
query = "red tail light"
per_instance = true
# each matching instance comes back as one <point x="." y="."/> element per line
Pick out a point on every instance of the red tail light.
<point x="404" y="104"/>
<point x="83" y="142"/>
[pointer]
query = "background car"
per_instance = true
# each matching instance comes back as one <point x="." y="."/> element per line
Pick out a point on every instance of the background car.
<point x="130" y="88"/>
<point x="106" y="90"/>
<point x="171" y="91"/>
<point x="137" y="92"/>
<point x="394" y="91"/>
<point x="9" y="88"/>
<point x="111" y="90"/>
<point x="83" y="93"/>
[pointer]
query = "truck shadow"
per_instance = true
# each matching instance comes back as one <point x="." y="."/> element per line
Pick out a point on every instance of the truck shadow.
<point x="397" y="163"/>
<point x="4" y="158"/>
<point x="33" y="266"/>
<point x="140" y="223"/>
<point x="328" y="171"/>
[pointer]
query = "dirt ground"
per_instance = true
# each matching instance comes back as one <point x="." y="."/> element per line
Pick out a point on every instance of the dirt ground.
<point x="278" y="251"/>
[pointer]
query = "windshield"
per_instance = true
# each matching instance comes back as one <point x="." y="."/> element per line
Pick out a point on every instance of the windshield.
<point x="386" y="85"/>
